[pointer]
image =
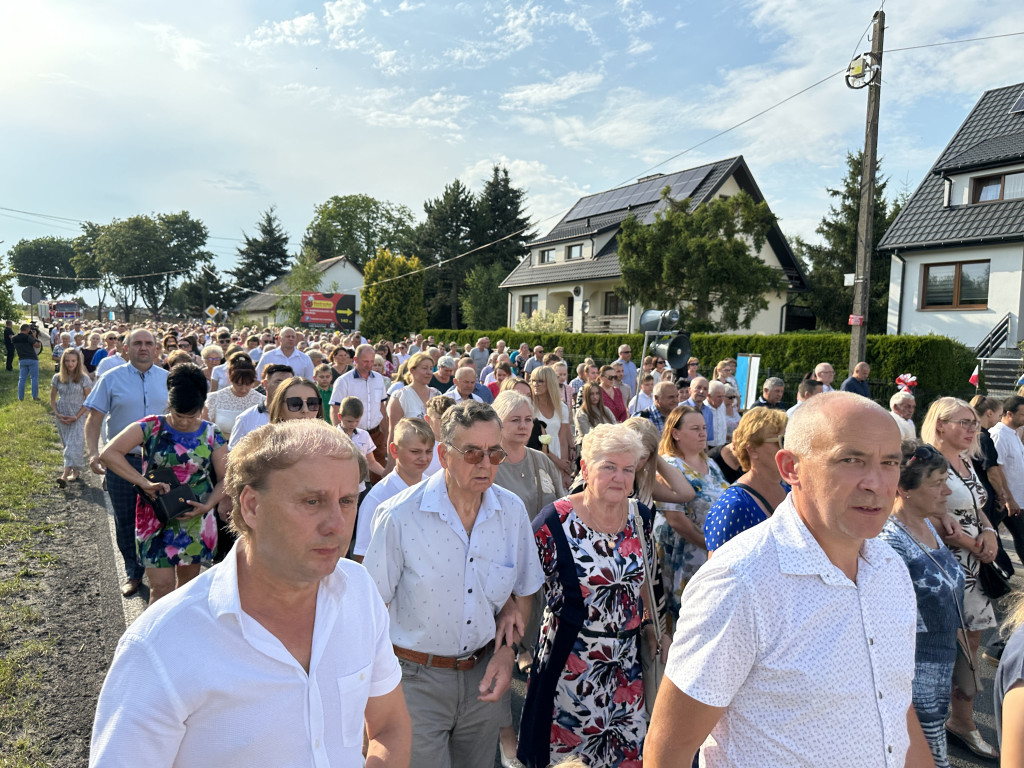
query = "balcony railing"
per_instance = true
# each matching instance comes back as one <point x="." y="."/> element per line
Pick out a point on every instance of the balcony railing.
<point x="606" y="324"/>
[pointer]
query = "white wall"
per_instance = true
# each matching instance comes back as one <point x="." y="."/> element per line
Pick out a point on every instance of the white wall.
<point x="346" y="279"/>
<point x="960" y="193"/>
<point x="969" y="326"/>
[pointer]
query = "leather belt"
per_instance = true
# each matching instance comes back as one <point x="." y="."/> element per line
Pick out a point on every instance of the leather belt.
<point x="374" y="430"/>
<point x="444" y="662"/>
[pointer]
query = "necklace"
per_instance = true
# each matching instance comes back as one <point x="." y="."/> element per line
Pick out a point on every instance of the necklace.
<point x="518" y="464"/>
<point x="616" y="528"/>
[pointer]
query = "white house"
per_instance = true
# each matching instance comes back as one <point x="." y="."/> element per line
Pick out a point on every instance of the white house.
<point x="576" y="264"/>
<point x="338" y="275"/>
<point x="957" y="246"/>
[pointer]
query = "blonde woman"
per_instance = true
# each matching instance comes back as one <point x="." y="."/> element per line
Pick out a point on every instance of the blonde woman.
<point x="213" y="355"/>
<point x="680" y="530"/>
<point x="68" y="390"/>
<point x="951" y="426"/>
<point x="410" y="401"/>
<point x="548" y="406"/>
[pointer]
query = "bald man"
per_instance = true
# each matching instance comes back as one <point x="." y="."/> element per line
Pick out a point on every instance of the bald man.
<point x="858" y="382"/>
<point x="795" y="643"/>
<point x="287" y="354"/>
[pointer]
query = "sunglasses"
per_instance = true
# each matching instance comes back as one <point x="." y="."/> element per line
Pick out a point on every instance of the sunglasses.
<point x="295" y="403"/>
<point x="476" y="455"/>
<point x="780" y="439"/>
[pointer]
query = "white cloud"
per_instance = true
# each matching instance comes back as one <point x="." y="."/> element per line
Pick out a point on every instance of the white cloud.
<point x="341" y="17"/>
<point x="537" y="95"/>
<point x="187" y="52"/>
<point x="302" y="30"/>
<point x="638" y="46"/>
<point x="440" y="111"/>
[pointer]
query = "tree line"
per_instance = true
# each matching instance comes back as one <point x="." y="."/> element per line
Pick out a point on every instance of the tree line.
<point x="419" y="273"/>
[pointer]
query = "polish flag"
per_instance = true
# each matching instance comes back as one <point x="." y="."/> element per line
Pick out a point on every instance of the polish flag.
<point x="974" y="377"/>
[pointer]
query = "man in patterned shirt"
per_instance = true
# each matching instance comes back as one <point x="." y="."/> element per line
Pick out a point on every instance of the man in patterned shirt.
<point x="795" y="643"/>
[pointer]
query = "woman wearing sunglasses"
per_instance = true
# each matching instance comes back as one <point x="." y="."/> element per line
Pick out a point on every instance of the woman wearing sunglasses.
<point x="753" y="498"/>
<point x="951" y="427"/>
<point x="295" y="398"/>
<point x="938" y="585"/>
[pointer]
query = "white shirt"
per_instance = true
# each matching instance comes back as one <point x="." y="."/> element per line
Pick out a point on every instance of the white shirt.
<point x="1011" y="457"/>
<point x="300" y="363"/>
<point x="453" y="393"/>
<point x="108" y="362"/>
<point x="553" y="423"/>
<point x="813" y="670"/>
<point x="220" y="375"/>
<point x="640" y="402"/>
<point x="372" y="391"/>
<point x="391" y="485"/>
<point x="443" y="586"/>
<point x="197" y="681"/>
<point x="247" y="421"/>
<point x="907" y="429"/>
<point x="718" y="418"/>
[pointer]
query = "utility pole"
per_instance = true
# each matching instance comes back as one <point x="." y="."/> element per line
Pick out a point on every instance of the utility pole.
<point x="865" y="224"/>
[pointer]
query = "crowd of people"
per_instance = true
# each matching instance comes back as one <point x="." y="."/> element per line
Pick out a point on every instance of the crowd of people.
<point x="813" y="578"/>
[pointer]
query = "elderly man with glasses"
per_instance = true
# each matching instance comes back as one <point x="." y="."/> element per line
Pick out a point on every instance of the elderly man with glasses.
<point x="454" y="559"/>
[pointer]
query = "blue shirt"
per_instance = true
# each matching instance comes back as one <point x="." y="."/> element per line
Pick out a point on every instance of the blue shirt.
<point x="856" y="385"/>
<point x="127" y="395"/>
<point x="709" y="417"/>
<point x="734" y="512"/>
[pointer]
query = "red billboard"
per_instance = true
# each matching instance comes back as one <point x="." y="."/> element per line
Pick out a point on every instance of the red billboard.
<point x="336" y="311"/>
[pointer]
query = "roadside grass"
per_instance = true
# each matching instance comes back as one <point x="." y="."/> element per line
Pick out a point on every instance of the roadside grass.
<point x="31" y="459"/>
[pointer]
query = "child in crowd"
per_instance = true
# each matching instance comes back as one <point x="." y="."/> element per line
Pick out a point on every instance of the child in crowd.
<point x="348" y="421"/>
<point x="324" y="379"/>
<point x="412" y="451"/>
<point x="643" y="399"/>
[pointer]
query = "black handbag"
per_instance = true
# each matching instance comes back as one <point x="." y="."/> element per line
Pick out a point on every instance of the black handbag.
<point x="174" y="503"/>
<point x="994" y="577"/>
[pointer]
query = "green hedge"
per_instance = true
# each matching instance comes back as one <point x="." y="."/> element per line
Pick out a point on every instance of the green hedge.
<point x="942" y="365"/>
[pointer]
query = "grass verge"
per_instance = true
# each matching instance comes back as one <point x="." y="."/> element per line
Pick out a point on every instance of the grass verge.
<point x="31" y="460"/>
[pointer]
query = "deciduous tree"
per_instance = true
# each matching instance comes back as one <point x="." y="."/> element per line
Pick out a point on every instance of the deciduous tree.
<point x="356" y="226"/>
<point x="702" y="262"/>
<point x="87" y="267"/>
<point x="392" y="300"/>
<point x="50" y="257"/>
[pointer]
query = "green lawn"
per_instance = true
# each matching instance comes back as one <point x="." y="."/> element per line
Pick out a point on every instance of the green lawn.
<point x="31" y="461"/>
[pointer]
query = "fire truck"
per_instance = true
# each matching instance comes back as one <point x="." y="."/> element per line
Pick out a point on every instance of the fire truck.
<point x="51" y="311"/>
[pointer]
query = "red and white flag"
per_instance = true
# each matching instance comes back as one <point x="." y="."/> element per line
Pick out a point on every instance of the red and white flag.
<point x="974" y="377"/>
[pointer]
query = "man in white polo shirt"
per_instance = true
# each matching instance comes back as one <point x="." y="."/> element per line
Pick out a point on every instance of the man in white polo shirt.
<point x="280" y="655"/>
<point x="795" y="642"/>
<point x="287" y="354"/>
<point x="371" y="388"/>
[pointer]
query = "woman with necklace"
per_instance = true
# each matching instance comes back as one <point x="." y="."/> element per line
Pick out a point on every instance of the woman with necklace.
<point x="411" y="400"/>
<point x="679" y="528"/>
<point x="534" y="478"/>
<point x="585" y="694"/>
<point x="938" y="585"/>
<point x="951" y="427"/>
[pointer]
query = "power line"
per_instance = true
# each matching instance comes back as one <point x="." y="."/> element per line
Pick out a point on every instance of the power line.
<point x="101" y="279"/>
<point x="954" y="42"/>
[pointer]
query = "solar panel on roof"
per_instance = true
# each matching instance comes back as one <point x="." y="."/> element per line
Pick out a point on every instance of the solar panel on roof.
<point x="682" y="184"/>
<point x="1018" y="105"/>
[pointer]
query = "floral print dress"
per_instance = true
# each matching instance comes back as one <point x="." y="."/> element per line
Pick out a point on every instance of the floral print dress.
<point x="680" y="559"/>
<point x="190" y="455"/>
<point x="599" y="712"/>
<point x="967" y="496"/>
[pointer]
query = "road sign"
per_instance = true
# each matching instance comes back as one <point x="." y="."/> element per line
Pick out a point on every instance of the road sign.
<point x="212" y="311"/>
<point x="31" y="295"/>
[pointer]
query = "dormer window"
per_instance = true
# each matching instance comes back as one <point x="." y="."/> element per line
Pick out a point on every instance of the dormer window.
<point x="547" y="256"/>
<point x="573" y="252"/>
<point x="1004" y="186"/>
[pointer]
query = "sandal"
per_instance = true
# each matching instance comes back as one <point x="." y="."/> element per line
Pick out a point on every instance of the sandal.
<point x="62" y="482"/>
<point x="975" y="743"/>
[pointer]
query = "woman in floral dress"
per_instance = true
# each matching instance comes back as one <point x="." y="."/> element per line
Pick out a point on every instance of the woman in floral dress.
<point x="951" y="426"/>
<point x="679" y="528"/>
<point x="68" y="389"/>
<point x="586" y="692"/>
<point x="197" y="452"/>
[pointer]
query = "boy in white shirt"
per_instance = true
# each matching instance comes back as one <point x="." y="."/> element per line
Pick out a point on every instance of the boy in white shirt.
<point x="350" y="413"/>
<point x="412" y="451"/>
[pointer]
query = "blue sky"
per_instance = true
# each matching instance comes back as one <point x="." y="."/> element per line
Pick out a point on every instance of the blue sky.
<point x="110" y="109"/>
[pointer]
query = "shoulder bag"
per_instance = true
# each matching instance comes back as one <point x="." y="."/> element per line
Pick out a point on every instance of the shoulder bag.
<point x="994" y="577"/>
<point x="653" y="666"/>
<point x="175" y="502"/>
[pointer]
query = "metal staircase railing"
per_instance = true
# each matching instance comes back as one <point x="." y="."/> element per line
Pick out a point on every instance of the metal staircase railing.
<point x="995" y="339"/>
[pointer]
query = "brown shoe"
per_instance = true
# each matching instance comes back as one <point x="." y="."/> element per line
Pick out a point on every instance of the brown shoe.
<point x="130" y="587"/>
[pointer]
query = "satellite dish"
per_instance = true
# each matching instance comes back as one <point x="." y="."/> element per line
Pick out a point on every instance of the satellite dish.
<point x="862" y="71"/>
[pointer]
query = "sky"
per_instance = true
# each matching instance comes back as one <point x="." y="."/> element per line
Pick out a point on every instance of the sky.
<point x="112" y="109"/>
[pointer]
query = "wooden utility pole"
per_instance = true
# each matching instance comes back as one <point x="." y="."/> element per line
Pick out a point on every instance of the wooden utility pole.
<point x="866" y="223"/>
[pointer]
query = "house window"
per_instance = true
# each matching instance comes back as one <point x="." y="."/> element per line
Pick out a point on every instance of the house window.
<point x="547" y="256"/>
<point x="573" y="252"/>
<point x="963" y="285"/>
<point x="527" y="305"/>
<point x="613" y="304"/>
<point x="1008" y="186"/>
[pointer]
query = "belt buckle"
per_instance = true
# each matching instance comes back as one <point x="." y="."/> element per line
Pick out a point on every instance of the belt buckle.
<point x="460" y="660"/>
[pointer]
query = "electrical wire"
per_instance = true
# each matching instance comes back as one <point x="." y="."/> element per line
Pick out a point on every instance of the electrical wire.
<point x="101" y="279"/>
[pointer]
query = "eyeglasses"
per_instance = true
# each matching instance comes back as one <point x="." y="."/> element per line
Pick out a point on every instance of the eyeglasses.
<point x="923" y="452"/>
<point x="476" y="455"/>
<point x="730" y="397"/>
<point x="969" y="424"/>
<point x="295" y="403"/>
<point x="780" y="439"/>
